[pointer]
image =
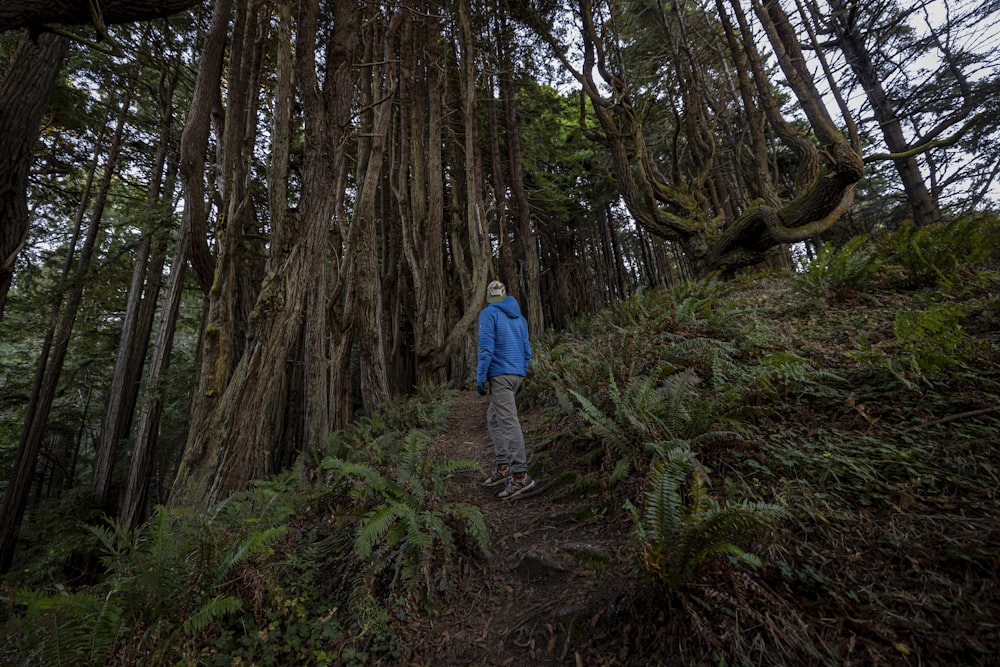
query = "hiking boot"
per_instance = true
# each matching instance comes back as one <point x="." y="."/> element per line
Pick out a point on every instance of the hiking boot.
<point x="499" y="475"/>
<point x="516" y="485"/>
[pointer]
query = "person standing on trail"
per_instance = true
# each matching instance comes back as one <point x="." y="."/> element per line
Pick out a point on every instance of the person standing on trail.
<point x="504" y="353"/>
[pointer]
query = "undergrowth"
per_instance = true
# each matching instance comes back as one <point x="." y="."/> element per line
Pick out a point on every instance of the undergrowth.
<point x="290" y="571"/>
<point x="863" y="396"/>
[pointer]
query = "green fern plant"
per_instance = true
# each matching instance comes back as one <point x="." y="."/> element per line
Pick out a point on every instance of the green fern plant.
<point x="788" y="375"/>
<point x="72" y="628"/>
<point x="683" y="530"/>
<point x="928" y="344"/>
<point x="937" y="253"/>
<point x="648" y="411"/>
<point x="407" y="528"/>
<point x="168" y="578"/>
<point x="836" y="272"/>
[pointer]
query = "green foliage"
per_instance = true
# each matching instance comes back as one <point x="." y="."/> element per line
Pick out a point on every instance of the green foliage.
<point x="168" y="580"/>
<point x="705" y="304"/>
<point x="790" y="376"/>
<point x="426" y="410"/>
<point x="647" y="413"/>
<point x="928" y="344"/>
<point x="837" y="272"/>
<point x="683" y="529"/>
<point x="72" y="629"/>
<point x="407" y="528"/>
<point x="940" y="252"/>
<point x="56" y="542"/>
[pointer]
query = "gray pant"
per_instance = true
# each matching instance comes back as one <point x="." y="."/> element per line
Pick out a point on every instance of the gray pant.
<point x="503" y="425"/>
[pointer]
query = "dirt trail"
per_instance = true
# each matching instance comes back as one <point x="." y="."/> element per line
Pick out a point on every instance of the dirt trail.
<point x="551" y="578"/>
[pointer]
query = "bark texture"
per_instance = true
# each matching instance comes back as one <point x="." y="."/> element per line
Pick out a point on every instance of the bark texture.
<point x="24" y="94"/>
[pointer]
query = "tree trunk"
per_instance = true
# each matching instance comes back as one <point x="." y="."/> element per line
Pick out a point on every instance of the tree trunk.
<point x="194" y="142"/>
<point x="420" y="186"/>
<point x="527" y="247"/>
<point x="505" y="240"/>
<point x="133" y="505"/>
<point x="24" y="95"/>
<point x="364" y="283"/>
<point x="231" y="447"/>
<point x="50" y="366"/>
<point x="475" y="232"/>
<point x="140" y="310"/>
<point x="922" y="204"/>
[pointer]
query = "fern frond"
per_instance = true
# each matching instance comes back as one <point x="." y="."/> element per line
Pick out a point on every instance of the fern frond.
<point x="254" y="544"/>
<point x="76" y="628"/>
<point x="663" y="516"/>
<point x="604" y="426"/>
<point x="376" y="525"/>
<point x="209" y="612"/>
<point x="426" y="528"/>
<point x="715" y="531"/>
<point x="475" y="525"/>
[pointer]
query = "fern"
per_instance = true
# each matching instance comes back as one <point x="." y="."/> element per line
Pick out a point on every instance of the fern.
<point x="210" y="611"/>
<point x="648" y="411"/>
<point x="74" y="629"/>
<point x="783" y="373"/>
<point x="405" y="527"/>
<point x="684" y="529"/>
<point x="376" y="525"/>
<point x="836" y="272"/>
<point x="940" y="252"/>
<point x="928" y="344"/>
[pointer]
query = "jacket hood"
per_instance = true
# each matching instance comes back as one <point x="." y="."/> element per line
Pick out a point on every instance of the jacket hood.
<point x="509" y="307"/>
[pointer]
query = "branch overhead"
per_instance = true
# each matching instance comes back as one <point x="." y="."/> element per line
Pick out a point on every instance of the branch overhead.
<point x="15" y="14"/>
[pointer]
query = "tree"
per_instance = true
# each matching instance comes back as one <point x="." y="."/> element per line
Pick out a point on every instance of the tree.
<point x="147" y="272"/>
<point x="25" y="90"/>
<point x="51" y="359"/>
<point x="681" y="196"/>
<point x="525" y="238"/>
<point x="24" y="93"/>
<point x="921" y="111"/>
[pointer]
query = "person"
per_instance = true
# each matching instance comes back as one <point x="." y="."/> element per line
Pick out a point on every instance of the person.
<point x="504" y="354"/>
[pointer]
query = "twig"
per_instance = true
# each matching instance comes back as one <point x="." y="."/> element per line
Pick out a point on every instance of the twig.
<point x="951" y="418"/>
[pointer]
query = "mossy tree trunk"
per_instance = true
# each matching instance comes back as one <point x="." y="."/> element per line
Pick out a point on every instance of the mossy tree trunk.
<point x="683" y="192"/>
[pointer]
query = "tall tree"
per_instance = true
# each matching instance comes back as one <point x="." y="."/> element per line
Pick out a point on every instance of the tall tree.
<point x="147" y="273"/>
<point x="25" y="90"/>
<point x="230" y="447"/>
<point x="929" y="78"/>
<point x="524" y="234"/>
<point x="419" y="184"/>
<point x="364" y="283"/>
<point x="24" y="94"/>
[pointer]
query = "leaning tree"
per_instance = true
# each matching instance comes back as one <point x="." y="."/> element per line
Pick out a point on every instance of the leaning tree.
<point x="725" y="175"/>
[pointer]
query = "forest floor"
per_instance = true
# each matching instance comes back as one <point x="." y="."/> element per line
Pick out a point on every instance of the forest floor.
<point x="550" y="578"/>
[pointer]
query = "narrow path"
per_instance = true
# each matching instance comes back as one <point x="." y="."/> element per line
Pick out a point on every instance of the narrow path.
<point x="550" y="577"/>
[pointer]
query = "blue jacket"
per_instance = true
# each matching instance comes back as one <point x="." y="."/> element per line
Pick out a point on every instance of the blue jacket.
<point x="503" y="341"/>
